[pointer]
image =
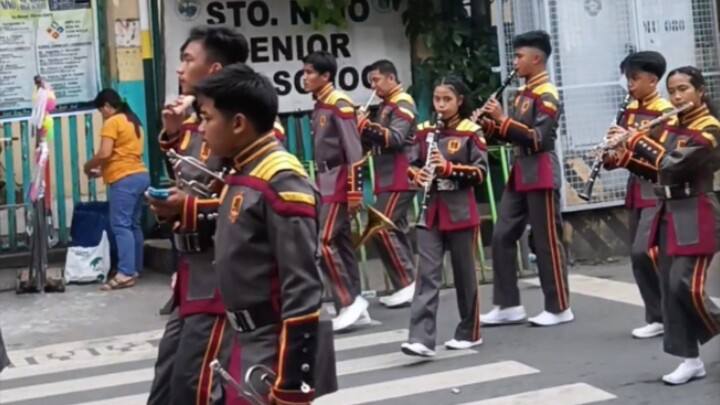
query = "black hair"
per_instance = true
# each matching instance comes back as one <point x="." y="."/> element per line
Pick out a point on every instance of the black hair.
<point x="222" y="45"/>
<point x="698" y="81"/>
<point x="386" y="68"/>
<point x="113" y="99"/>
<point x="323" y="62"/>
<point x="645" y="61"/>
<point x="457" y="86"/>
<point x="238" y="89"/>
<point x="534" y="39"/>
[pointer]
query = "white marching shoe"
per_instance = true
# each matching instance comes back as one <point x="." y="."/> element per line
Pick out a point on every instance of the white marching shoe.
<point x="546" y="318"/>
<point x="399" y="297"/>
<point x="417" y="349"/>
<point x="504" y="316"/>
<point x="649" y="331"/>
<point x="688" y="370"/>
<point x="364" y="319"/>
<point x="349" y="315"/>
<point x="455" y="344"/>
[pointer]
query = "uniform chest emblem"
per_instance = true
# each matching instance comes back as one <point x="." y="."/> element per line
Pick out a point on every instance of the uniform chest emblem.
<point x="525" y="106"/>
<point x="384" y="113"/>
<point x="322" y="121"/>
<point x="453" y="146"/>
<point x="643" y="123"/>
<point x="682" y="142"/>
<point x="235" y="207"/>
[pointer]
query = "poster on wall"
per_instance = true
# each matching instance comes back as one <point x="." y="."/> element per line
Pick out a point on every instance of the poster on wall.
<point x="53" y="38"/>
<point x="280" y="35"/>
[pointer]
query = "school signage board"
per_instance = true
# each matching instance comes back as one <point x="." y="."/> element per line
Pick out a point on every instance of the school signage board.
<point x="281" y="34"/>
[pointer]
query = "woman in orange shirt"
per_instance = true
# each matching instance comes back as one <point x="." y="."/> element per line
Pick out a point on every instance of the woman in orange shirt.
<point x="119" y="162"/>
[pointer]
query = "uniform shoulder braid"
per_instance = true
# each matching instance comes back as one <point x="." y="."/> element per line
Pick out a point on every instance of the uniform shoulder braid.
<point x="288" y="190"/>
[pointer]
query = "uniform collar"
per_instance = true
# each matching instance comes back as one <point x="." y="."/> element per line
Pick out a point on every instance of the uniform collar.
<point x="452" y="122"/>
<point x="655" y="95"/>
<point x="394" y="92"/>
<point x="324" y="92"/>
<point x="537" y="80"/>
<point x="691" y="115"/>
<point x="254" y="151"/>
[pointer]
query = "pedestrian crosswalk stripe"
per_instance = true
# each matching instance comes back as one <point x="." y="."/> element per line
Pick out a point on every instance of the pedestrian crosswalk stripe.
<point x="100" y="345"/>
<point x="128" y="400"/>
<point x="426" y="383"/>
<point x="571" y="394"/>
<point x="390" y="360"/>
<point x="346" y="367"/>
<point x="612" y="290"/>
<point x="342" y="343"/>
<point x="370" y="339"/>
<point x="80" y="384"/>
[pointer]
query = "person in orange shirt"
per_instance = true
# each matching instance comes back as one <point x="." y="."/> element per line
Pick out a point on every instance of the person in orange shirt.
<point x="119" y="162"/>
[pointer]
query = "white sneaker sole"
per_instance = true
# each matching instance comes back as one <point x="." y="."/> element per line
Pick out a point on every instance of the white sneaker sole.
<point x="698" y="376"/>
<point x="650" y="336"/>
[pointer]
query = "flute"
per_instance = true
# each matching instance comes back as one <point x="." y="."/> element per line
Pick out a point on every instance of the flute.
<point x="609" y="144"/>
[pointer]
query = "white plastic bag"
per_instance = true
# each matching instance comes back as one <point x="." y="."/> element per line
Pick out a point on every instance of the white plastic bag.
<point x="88" y="264"/>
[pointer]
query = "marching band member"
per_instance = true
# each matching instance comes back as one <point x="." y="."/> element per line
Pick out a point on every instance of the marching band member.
<point x="339" y="159"/>
<point x="643" y="71"/>
<point x="533" y="190"/>
<point x="267" y="233"/>
<point x="388" y="136"/>
<point x="198" y="325"/>
<point x="452" y="222"/>
<point x="686" y="229"/>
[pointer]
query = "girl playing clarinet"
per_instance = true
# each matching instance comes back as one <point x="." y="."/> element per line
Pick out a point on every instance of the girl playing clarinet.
<point x="686" y="229"/>
<point x="456" y="165"/>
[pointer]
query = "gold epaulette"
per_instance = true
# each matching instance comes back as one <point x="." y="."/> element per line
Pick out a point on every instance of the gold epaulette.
<point x="402" y="96"/>
<point x="468" y="126"/>
<point x="276" y="162"/>
<point x="425" y="125"/>
<point x="547" y="88"/>
<point x="661" y="105"/>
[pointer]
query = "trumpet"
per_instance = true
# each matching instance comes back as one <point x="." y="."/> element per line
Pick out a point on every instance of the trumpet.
<point x="586" y="193"/>
<point x="203" y="190"/>
<point x="609" y="144"/>
<point x="377" y="221"/>
<point x="248" y="389"/>
<point x="431" y="141"/>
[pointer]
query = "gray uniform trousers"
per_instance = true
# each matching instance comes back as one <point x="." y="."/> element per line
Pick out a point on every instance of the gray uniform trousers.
<point x="644" y="262"/>
<point x="432" y="245"/>
<point x="339" y="262"/>
<point x="691" y="318"/>
<point x="394" y="247"/>
<point x="182" y="373"/>
<point x="4" y="360"/>
<point x="541" y="209"/>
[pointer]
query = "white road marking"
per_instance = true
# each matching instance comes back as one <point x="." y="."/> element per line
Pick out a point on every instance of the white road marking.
<point x="426" y="383"/>
<point x="571" y="394"/>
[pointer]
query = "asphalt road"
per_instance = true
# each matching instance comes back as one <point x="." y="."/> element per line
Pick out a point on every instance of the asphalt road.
<point x="88" y="347"/>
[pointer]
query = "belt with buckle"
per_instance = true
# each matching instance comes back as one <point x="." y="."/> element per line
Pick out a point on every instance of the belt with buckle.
<point x="190" y="242"/>
<point x="684" y="190"/>
<point x="447" y="185"/>
<point x="247" y="320"/>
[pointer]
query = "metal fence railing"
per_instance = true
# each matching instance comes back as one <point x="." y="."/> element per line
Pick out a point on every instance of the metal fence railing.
<point x="76" y="136"/>
<point x="589" y="40"/>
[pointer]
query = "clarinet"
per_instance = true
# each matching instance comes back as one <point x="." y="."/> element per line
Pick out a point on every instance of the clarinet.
<point x="431" y="142"/>
<point x="499" y="92"/>
<point x="586" y="193"/>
